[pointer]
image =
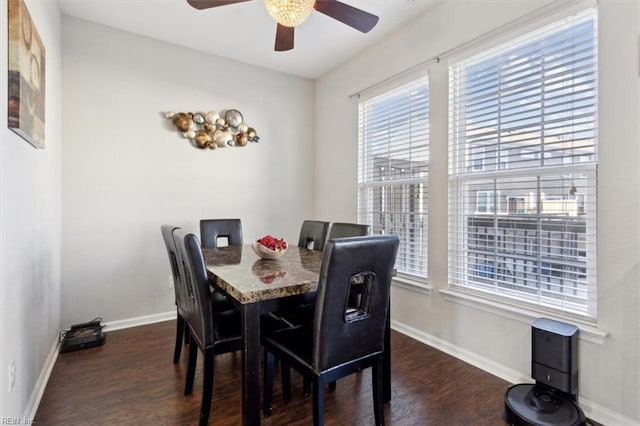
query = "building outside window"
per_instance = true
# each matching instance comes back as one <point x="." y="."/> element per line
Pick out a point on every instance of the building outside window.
<point x="488" y="201"/>
<point x="523" y="226"/>
<point x="393" y="166"/>
<point x="477" y="158"/>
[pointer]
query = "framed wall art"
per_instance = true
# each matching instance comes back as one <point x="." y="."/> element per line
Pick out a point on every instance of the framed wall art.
<point x="26" y="75"/>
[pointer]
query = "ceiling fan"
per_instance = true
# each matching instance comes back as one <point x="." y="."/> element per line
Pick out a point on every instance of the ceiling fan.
<point x="290" y="13"/>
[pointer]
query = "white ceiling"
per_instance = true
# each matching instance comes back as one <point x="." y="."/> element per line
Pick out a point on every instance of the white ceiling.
<point x="245" y="31"/>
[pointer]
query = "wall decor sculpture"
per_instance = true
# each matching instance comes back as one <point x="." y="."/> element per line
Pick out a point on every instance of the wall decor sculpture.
<point x="26" y="75"/>
<point x="214" y="130"/>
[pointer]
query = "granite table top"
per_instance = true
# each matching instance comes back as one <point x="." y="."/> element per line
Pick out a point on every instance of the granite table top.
<point x="249" y="279"/>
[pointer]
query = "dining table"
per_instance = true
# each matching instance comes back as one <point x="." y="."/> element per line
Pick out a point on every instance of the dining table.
<point x="261" y="286"/>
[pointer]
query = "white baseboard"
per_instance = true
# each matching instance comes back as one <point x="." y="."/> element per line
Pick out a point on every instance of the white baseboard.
<point x="41" y="383"/>
<point x="591" y="409"/>
<point x="134" y="322"/>
<point x="483" y="363"/>
<point x="604" y="415"/>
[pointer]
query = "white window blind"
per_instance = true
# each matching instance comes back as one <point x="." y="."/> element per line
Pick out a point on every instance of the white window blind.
<point x="523" y="131"/>
<point x="393" y="166"/>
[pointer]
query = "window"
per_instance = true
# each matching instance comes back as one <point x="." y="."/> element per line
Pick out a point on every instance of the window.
<point x="486" y="201"/>
<point x="522" y="228"/>
<point x="477" y="158"/>
<point x="393" y="165"/>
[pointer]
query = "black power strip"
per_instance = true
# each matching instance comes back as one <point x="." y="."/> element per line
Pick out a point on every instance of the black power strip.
<point x="81" y="336"/>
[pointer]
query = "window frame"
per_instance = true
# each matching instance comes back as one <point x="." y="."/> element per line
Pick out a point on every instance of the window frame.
<point x="407" y="186"/>
<point x="462" y="171"/>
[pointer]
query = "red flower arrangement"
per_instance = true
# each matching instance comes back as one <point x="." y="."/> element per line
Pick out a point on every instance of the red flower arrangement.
<point x="269" y="247"/>
<point x="272" y="243"/>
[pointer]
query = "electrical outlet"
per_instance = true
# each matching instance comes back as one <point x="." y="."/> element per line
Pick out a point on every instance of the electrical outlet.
<point x="12" y="375"/>
<point x="170" y="280"/>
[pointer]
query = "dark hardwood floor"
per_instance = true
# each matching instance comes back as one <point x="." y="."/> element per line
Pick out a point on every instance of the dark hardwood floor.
<point x="132" y="380"/>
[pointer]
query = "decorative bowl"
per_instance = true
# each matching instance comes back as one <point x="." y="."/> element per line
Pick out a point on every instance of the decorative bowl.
<point x="266" y="253"/>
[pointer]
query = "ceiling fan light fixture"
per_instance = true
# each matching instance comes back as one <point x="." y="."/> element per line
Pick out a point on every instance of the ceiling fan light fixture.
<point x="289" y="13"/>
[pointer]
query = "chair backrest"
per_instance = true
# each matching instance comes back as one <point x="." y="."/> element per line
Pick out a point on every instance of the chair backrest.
<point x="313" y="234"/>
<point x="340" y="230"/>
<point x="212" y="229"/>
<point x="342" y="332"/>
<point x="191" y="262"/>
<point x="178" y="284"/>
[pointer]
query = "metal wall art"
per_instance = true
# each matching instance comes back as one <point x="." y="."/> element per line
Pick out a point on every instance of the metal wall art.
<point x="213" y="130"/>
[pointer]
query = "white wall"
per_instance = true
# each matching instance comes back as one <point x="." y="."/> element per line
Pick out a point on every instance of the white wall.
<point x="127" y="170"/>
<point x="609" y="373"/>
<point x="29" y="228"/>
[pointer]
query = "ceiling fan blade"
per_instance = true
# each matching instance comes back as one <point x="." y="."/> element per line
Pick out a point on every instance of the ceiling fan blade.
<point x="207" y="4"/>
<point x="349" y="15"/>
<point x="284" y="38"/>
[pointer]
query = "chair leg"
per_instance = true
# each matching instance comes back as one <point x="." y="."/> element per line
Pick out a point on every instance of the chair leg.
<point x="306" y="386"/>
<point x="207" y="388"/>
<point x="191" y="368"/>
<point x="187" y="335"/>
<point x="376" y="378"/>
<point x="285" y="374"/>
<point x="318" y="403"/>
<point x="179" y="337"/>
<point x="269" y="363"/>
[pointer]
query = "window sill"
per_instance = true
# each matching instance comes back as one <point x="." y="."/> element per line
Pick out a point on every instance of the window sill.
<point x="588" y="333"/>
<point x="408" y="284"/>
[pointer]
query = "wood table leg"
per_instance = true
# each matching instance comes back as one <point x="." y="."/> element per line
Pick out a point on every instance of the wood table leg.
<point x="250" y="364"/>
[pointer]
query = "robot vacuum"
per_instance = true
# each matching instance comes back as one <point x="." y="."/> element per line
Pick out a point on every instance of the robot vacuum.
<point x="533" y="405"/>
<point x="553" y="399"/>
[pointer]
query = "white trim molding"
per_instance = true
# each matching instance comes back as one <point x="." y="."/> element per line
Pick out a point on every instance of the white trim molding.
<point x="587" y="333"/>
<point x="41" y="384"/>
<point x="483" y="363"/>
<point x="412" y="285"/>
<point x="591" y="409"/>
<point x="136" y="321"/>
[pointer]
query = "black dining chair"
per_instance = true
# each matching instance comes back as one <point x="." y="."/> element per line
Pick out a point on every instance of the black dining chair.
<point x="212" y="331"/>
<point x="343" y="229"/>
<point x="214" y="327"/>
<point x="179" y="290"/>
<point x="212" y="229"/>
<point x="313" y="234"/>
<point x="303" y="311"/>
<point x="341" y="340"/>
